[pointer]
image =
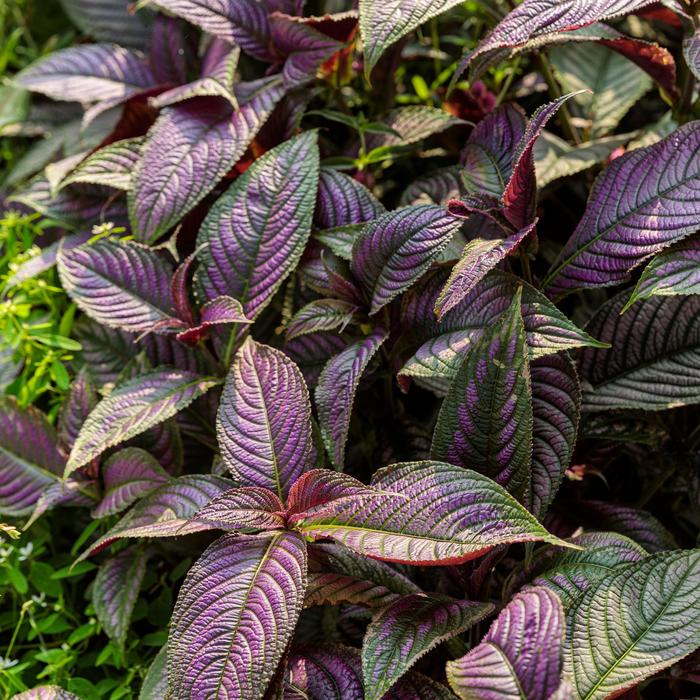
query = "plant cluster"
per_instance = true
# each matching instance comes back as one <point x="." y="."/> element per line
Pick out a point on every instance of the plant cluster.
<point x="335" y="347"/>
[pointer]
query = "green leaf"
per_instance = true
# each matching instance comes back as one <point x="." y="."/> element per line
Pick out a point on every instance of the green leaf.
<point x="634" y="623"/>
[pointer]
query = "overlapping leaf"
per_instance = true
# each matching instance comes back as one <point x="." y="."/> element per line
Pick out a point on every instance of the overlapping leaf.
<point x="128" y="475"/>
<point x="123" y="285"/>
<point x="166" y="512"/>
<point x="116" y="589"/>
<point x="433" y="513"/>
<point x="330" y="672"/>
<point x="234" y="616"/>
<point x="335" y="392"/>
<point x="107" y="20"/>
<point x="246" y="507"/>
<point x="133" y="408"/>
<point x="394" y="251"/>
<point x="188" y="150"/>
<point x="89" y="73"/>
<point x="46" y="692"/>
<point x="29" y="458"/>
<point x="643" y="202"/>
<point x="556" y="405"/>
<point x="691" y="52"/>
<point x="264" y="420"/>
<point x="485" y="422"/>
<point x="406" y="630"/>
<point x="321" y="315"/>
<point x="343" y="200"/>
<point x="520" y="656"/>
<point x="255" y="234"/>
<point x="673" y="272"/>
<point x="654" y="362"/>
<point x="79" y="402"/>
<point x="633" y="624"/>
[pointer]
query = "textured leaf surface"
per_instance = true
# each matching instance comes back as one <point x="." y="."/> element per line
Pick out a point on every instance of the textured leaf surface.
<point x="189" y="149"/>
<point x="654" y="362"/>
<point x="412" y="124"/>
<point x="321" y="315"/>
<point x="29" y="458"/>
<point x="107" y="20"/>
<point x="311" y="352"/>
<point x="46" y="692"/>
<point x="535" y="19"/>
<point x="155" y="683"/>
<point x="436" y="188"/>
<point x="216" y="312"/>
<point x="556" y="406"/>
<point x="79" y="402"/>
<point x="123" y="285"/>
<point x="643" y="202"/>
<point x="116" y="589"/>
<point x="167" y="511"/>
<point x="343" y="200"/>
<point x="433" y="513"/>
<point x="335" y="392"/>
<point x="264" y="420"/>
<point x="128" y="475"/>
<point x="384" y="23"/>
<point x="617" y="85"/>
<point x="570" y="574"/>
<point x="243" y="22"/>
<point x="88" y="73"/>
<point x="111" y="166"/>
<point x="256" y="232"/>
<point x="133" y="408"/>
<point x="691" y="52"/>
<point x="394" y="251"/>
<point x="330" y="672"/>
<point x="520" y="656"/>
<point x="673" y="272"/>
<point x="485" y="422"/>
<point x="478" y="259"/>
<point x="234" y="616"/>
<point x="105" y="350"/>
<point x="634" y="623"/>
<point x="406" y="630"/>
<point x="245" y="507"/>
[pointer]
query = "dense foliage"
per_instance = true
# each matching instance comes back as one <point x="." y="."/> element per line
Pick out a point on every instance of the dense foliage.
<point x="351" y="352"/>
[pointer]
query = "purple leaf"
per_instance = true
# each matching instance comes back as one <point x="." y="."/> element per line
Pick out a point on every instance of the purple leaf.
<point x="123" y="285"/>
<point x="264" y="420"/>
<point x="535" y="19"/>
<point x="235" y="615"/>
<point x="556" y="406"/>
<point x="111" y="166"/>
<point x="342" y="200"/>
<point x="107" y="20"/>
<point x="634" y="623"/>
<point x="311" y="352"/>
<point x="79" y="402"/>
<point x="77" y="492"/>
<point x="243" y="22"/>
<point x="570" y="574"/>
<point x="155" y="683"/>
<point x="488" y="157"/>
<point x="331" y="672"/>
<point x="691" y="52"/>
<point x="218" y="311"/>
<point x="659" y="205"/>
<point x="547" y="329"/>
<point x="416" y="686"/>
<point x="486" y="419"/>
<point x="188" y="150"/>
<point x="321" y="315"/>
<point x="88" y="73"/>
<point x="116" y="589"/>
<point x="384" y="23"/>
<point x="133" y="408"/>
<point x="411" y="125"/>
<point x="305" y="47"/>
<point x="334" y="589"/>
<point x="246" y="507"/>
<point x="520" y="656"/>
<point x="638" y="525"/>
<point x="478" y="259"/>
<point x="45" y="692"/>
<point x="256" y="232"/>
<point x="673" y="272"/>
<point x="167" y="50"/>
<point x="426" y="513"/>
<point x="166" y="512"/>
<point x="436" y="188"/>
<point x="335" y="392"/>
<point x="406" y="630"/>
<point x="128" y="475"/>
<point x="654" y="362"/>
<point x="106" y="351"/>
<point x="29" y="458"/>
<point x="396" y="249"/>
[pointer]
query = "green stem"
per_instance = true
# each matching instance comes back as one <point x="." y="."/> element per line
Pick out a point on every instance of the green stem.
<point x="555" y="92"/>
<point x="508" y="82"/>
<point x="229" y="347"/>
